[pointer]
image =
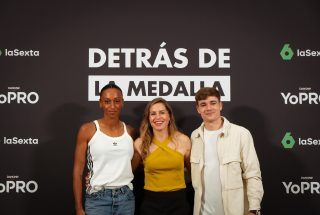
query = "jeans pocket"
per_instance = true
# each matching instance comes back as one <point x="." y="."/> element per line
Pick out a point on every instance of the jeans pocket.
<point x="129" y="194"/>
<point x="94" y="195"/>
<point x="124" y="194"/>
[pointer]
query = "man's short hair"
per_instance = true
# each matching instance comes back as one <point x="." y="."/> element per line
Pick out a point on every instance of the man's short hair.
<point x="205" y="92"/>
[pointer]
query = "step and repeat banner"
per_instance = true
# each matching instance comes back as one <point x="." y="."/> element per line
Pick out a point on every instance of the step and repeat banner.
<point x="264" y="58"/>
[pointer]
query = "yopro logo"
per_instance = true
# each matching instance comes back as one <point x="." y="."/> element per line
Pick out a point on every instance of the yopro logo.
<point x="18" y="97"/>
<point x="305" y="96"/>
<point x="18" y="186"/>
<point x="303" y="187"/>
<point x="288" y="141"/>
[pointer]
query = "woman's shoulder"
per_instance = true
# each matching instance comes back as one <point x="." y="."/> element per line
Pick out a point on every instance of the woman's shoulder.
<point x="88" y="128"/>
<point x="137" y="144"/>
<point x="138" y="141"/>
<point x="182" y="140"/>
<point x="181" y="136"/>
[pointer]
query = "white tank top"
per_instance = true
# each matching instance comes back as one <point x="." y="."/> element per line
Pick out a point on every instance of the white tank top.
<point x="109" y="160"/>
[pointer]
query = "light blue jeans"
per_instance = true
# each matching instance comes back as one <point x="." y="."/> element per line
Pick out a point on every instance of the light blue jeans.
<point x="119" y="201"/>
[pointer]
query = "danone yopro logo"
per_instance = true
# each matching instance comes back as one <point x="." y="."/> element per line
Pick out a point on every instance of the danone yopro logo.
<point x="307" y="185"/>
<point x="17" y="96"/>
<point x="288" y="141"/>
<point x="287" y="52"/>
<point x="301" y="98"/>
<point x="13" y="184"/>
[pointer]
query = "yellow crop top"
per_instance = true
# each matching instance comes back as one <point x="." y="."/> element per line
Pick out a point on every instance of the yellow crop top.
<point x="164" y="168"/>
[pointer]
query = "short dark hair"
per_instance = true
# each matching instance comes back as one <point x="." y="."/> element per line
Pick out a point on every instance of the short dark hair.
<point x="205" y="92"/>
<point x="109" y="86"/>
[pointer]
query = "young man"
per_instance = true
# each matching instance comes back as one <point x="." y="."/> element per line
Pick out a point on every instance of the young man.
<point x="225" y="169"/>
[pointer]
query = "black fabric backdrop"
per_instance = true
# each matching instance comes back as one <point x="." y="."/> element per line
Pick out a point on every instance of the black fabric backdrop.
<point x="37" y="178"/>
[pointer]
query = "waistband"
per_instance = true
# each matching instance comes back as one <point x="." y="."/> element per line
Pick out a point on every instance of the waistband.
<point x="100" y="188"/>
<point x="166" y="193"/>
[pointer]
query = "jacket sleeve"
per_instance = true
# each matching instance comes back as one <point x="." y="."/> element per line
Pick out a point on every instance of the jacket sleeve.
<point x="251" y="171"/>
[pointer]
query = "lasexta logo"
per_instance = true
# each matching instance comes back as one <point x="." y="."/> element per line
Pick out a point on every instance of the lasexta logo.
<point x="288" y="141"/>
<point x="286" y="52"/>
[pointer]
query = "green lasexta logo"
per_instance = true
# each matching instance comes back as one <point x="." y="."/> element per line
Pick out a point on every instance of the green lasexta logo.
<point x="286" y="52"/>
<point x="288" y="141"/>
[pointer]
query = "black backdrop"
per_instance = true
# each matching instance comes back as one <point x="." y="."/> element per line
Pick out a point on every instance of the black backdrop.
<point x="37" y="138"/>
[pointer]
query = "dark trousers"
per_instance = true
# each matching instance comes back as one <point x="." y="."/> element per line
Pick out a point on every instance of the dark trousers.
<point x="165" y="203"/>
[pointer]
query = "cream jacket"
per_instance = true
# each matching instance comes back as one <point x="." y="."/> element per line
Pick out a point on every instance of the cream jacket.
<point x="240" y="174"/>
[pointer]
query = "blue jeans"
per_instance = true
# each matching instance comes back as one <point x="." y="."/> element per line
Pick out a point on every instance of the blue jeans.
<point x="119" y="201"/>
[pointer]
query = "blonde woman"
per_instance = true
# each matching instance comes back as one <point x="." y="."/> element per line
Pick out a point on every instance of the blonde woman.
<point x="165" y="153"/>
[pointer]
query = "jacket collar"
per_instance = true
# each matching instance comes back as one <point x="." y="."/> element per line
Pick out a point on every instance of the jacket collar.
<point x="225" y="128"/>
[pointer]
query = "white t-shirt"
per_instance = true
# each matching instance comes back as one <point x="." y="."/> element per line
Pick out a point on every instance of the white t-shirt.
<point x="212" y="197"/>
